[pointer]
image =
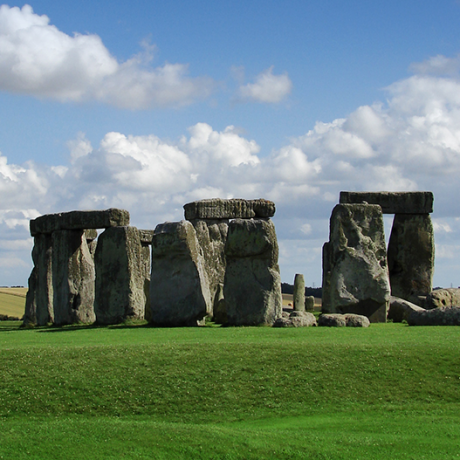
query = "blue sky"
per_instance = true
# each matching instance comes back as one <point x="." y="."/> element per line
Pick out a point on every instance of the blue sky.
<point x="150" y="105"/>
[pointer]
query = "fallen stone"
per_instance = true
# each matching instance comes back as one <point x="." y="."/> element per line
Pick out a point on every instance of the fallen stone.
<point x="411" y="256"/>
<point x="400" y="309"/>
<point x="442" y="316"/>
<point x="78" y="220"/>
<point x="218" y="208"/>
<point x="449" y="297"/>
<point x="299" y="293"/>
<point x="357" y="281"/>
<point x="120" y="276"/>
<point x="393" y="202"/>
<point x="332" y="320"/>
<point x="179" y="288"/>
<point x="296" y="319"/>
<point x="73" y="276"/>
<point x="347" y="320"/>
<point x="252" y="287"/>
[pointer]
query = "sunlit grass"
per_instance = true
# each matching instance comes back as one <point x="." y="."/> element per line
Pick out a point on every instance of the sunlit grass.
<point x="390" y="391"/>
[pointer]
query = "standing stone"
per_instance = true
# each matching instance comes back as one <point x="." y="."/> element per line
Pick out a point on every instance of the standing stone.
<point x="252" y="287"/>
<point x="39" y="299"/>
<point x="145" y="262"/>
<point x="299" y="293"/>
<point x="120" y="276"/>
<point x="73" y="278"/>
<point x="358" y="278"/>
<point x="326" y="290"/>
<point x="411" y="257"/>
<point x="309" y="303"/>
<point x="179" y="288"/>
<point x="212" y="236"/>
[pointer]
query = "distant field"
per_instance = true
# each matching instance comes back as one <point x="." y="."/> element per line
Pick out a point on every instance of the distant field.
<point x="288" y="299"/>
<point x="12" y="301"/>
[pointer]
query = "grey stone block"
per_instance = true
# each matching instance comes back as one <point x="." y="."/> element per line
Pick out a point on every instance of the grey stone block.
<point x="234" y="208"/>
<point x="393" y="202"/>
<point x="78" y="220"/>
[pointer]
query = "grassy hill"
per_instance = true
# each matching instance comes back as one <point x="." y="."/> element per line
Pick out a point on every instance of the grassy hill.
<point x="12" y="301"/>
<point x="390" y="391"/>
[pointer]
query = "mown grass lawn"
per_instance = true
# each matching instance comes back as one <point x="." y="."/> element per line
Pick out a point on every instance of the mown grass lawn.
<point x="390" y="391"/>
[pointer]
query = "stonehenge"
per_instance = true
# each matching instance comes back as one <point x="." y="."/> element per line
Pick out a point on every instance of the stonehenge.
<point x="222" y="257"/>
<point x="221" y="263"/>
<point x="359" y="273"/>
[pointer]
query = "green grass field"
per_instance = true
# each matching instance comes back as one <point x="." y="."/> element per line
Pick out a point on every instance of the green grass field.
<point x="12" y="301"/>
<point x="387" y="392"/>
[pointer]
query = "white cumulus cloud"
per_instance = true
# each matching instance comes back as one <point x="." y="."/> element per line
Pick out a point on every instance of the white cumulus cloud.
<point x="37" y="59"/>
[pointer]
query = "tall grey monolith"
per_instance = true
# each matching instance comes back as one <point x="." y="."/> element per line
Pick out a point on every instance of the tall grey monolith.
<point x="358" y="279"/>
<point x="299" y="293"/>
<point x="212" y="235"/>
<point x="73" y="278"/>
<point x="39" y="299"/>
<point x="120" y="276"/>
<point x="179" y="288"/>
<point x="252" y="287"/>
<point x="411" y="257"/>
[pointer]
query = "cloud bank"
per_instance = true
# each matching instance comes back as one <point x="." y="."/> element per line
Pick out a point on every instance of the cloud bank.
<point x="411" y="142"/>
<point x="39" y="60"/>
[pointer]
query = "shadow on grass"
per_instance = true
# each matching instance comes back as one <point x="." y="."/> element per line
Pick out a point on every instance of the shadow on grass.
<point x="72" y="327"/>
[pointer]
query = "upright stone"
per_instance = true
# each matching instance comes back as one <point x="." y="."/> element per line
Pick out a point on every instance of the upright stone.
<point x="39" y="299"/>
<point x="358" y="278"/>
<point x="299" y="293"/>
<point x="411" y="257"/>
<point x="120" y="276"/>
<point x="73" y="278"/>
<point x="252" y="287"/>
<point x="211" y="236"/>
<point x="179" y="288"/>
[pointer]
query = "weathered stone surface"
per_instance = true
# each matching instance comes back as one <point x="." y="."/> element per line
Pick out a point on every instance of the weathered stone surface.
<point x="411" y="256"/>
<point x="309" y="303"/>
<point x="120" y="276"/>
<point x="442" y="316"/>
<point x="73" y="278"/>
<point x="218" y="208"/>
<point x="179" y="288"/>
<point x="146" y="268"/>
<point x="252" y="287"/>
<point x="332" y="320"/>
<point x="393" y="202"/>
<point x="443" y="298"/>
<point x="357" y="281"/>
<point x="338" y="320"/>
<point x="78" y="220"/>
<point x="400" y="309"/>
<point x="296" y="319"/>
<point x="146" y="236"/>
<point x="356" y="320"/>
<point x="299" y="293"/>
<point x="39" y="299"/>
<point x="212" y="236"/>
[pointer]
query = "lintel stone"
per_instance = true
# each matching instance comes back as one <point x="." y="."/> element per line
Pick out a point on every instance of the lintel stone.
<point x="235" y="208"/>
<point x="393" y="202"/>
<point x="79" y="220"/>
